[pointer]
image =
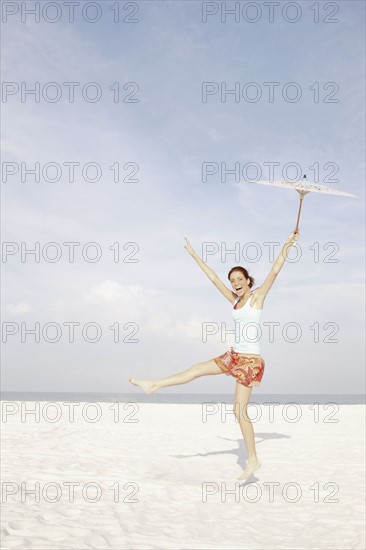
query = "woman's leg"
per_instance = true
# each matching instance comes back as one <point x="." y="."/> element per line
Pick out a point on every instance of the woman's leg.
<point x="199" y="369"/>
<point x="242" y="396"/>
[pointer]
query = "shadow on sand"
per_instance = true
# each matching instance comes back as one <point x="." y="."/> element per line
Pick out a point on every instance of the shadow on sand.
<point x="240" y="451"/>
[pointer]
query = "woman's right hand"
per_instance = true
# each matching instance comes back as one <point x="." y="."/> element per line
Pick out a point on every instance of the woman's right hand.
<point x="188" y="247"/>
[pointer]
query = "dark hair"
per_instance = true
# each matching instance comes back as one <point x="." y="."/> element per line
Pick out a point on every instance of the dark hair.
<point x="244" y="272"/>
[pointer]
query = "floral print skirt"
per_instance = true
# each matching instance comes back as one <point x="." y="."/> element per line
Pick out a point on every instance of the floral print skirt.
<point x="248" y="371"/>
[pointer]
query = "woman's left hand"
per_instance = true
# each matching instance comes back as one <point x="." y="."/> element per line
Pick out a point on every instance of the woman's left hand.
<point x="293" y="236"/>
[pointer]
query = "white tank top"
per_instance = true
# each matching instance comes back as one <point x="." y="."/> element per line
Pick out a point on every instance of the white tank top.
<point x="247" y="328"/>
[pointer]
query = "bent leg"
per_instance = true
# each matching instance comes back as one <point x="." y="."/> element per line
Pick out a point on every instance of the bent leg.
<point x="242" y="396"/>
<point x="200" y="369"/>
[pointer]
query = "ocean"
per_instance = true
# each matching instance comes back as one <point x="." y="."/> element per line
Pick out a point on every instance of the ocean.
<point x="179" y="398"/>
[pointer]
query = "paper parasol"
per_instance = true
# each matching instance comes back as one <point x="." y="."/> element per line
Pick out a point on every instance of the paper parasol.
<point x="303" y="187"/>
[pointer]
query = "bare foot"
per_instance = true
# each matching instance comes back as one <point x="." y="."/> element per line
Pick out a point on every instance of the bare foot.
<point x="147" y="385"/>
<point x="251" y="466"/>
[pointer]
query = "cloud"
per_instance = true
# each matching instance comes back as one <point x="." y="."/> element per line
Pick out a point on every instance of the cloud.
<point x="21" y="307"/>
<point x="111" y="292"/>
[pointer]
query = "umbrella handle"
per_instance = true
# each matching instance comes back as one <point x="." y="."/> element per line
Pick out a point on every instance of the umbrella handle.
<point x="302" y="195"/>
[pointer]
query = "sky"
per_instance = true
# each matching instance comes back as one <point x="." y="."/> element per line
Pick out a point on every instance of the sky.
<point x="135" y="298"/>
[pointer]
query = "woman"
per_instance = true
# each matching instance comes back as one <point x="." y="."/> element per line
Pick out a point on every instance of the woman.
<point x="244" y="361"/>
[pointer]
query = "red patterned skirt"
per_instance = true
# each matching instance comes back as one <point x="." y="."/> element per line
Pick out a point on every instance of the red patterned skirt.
<point x="248" y="371"/>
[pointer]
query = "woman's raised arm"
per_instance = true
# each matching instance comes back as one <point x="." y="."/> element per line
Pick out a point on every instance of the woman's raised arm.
<point x="263" y="290"/>
<point x="211" y="274"/>
<point x="277" y="266"/>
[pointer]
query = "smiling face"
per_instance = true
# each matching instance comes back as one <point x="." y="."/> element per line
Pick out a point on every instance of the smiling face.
<point x="239" y="283"/>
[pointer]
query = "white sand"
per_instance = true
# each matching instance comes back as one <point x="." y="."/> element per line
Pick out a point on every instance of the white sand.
<point x="167" y="456"/>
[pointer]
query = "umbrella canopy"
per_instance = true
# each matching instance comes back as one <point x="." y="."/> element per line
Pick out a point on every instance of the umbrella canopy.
<point x="304" y="187"/>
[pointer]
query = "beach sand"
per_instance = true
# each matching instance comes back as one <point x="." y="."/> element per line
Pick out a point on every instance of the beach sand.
<point x="163" y="476"/>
